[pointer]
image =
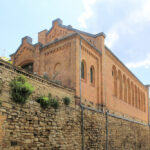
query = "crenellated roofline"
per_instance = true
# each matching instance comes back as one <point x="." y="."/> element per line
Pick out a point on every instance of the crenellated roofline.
<point x="68" y="36"/>
<point x="69" y="27"/>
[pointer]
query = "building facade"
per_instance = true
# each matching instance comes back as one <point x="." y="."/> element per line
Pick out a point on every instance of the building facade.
<point x="67" y="55"/>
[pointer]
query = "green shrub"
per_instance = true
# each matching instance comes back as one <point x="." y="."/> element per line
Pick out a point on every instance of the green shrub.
<point x="20" y="89"/>
<point x="54" y="103"/>
<point x="44" y="101"/>
<point x="66" y="100"/>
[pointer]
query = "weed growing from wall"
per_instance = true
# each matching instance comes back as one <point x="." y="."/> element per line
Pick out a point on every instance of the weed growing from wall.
<point x="54" y="103"/>
<point x="1" y="85"/>
<point x="20" y="89"/>
<point x="66" y="101"/>
<point x="46" y="102"/>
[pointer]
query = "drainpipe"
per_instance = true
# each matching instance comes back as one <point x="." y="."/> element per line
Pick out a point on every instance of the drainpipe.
<point x="82" y="109"/>
<point x="148" y="86"/>
<point x="106" y="130"/>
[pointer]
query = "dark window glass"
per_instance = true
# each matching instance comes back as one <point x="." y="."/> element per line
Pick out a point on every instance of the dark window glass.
<point x="28" y="67"/>
<point x="82" y="71"/>
<point x="91" y="75"/>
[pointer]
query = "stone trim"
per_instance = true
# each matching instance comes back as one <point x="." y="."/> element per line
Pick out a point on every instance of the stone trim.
<point x="50" y="51"/>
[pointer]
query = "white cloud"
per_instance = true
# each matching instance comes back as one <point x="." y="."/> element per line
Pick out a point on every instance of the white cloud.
<point x="88" y="12"/>
<point x="111" y="39"/>
<point x="143" y="63"/>
<point x="142" y="14"/>
<point x="130" y="24"/>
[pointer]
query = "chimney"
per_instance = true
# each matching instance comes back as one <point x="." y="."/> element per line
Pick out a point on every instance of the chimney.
<point x="27" y="39"/>
<point x="57" y="22"/>
<point x="42" y="36"/>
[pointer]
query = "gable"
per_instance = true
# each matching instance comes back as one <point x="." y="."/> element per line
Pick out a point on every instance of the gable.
<point x="25" y="52"/>
<point x="56" y="33"/>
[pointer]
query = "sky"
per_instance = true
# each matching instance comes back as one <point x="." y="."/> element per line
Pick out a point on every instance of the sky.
<point x="126" y="24"/>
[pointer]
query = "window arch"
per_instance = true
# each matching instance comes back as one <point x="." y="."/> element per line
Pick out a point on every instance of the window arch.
<point x="125" y="88"/>
<point x="28" y="67"/>
<point x="132" y="89"/>
<point x="119" y="85"/>
<point x="135" y="96"/>
<point x="129" y="91"/>
<point x="144" y="107"/>
<point x="92" y="75"/>
<point x="138" y="98"/>
<point x="83" y="70"/>
<point x="114" y="74"/>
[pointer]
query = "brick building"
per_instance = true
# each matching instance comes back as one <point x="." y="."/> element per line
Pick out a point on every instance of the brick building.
<point x="105" y="80"/>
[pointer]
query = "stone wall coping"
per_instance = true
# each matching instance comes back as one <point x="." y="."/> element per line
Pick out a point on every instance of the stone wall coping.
<point x="32" y="75"/>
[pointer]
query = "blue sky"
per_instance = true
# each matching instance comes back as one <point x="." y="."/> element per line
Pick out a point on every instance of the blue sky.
<point x="126" y="24"/>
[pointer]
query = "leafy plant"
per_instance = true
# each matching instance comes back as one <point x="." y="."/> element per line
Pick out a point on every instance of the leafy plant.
<point x="44" y="101"/>
<point x="66" y="100"/>
<point x="54" y="103"/>
<point x="20" y="89"/>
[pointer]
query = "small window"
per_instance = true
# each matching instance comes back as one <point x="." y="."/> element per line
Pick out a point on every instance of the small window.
<point x="92" y="74"/>
<point x="82" y="70"/>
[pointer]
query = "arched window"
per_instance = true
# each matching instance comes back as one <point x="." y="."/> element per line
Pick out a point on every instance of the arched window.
<point x="144" y="108"/>
<point x="92" y="76"/>
<point x="119" y="85"/>
<point x="125" y="88"/>
<point x="83" y="69"/>
<point x="132" y="86"/>
<point x="114" y="74"/>
<point x="129" y="92"/>
<point x="28" y="67"/>
<point x="136" y="96"/>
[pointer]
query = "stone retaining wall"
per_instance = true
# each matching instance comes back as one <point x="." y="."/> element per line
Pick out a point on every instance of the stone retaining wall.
<point x="29" y="127"/>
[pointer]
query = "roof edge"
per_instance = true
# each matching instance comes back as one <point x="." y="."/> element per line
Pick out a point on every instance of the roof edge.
<point x="123" y="65"/>
<point x="70" y="35"/>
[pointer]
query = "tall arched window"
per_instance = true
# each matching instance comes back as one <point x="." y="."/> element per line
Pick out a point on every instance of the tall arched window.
<point x="92" y="75"/>
<point x="125" y="88"/>
<point x="129" y="92"/>
<point x="136" y="97"/>
<point x="144" y="108"/>
<point x="83" y="69"/>
<point x="132" y="85"/>
<point x="114" y="74"/>
<point x="119" y="85"/>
